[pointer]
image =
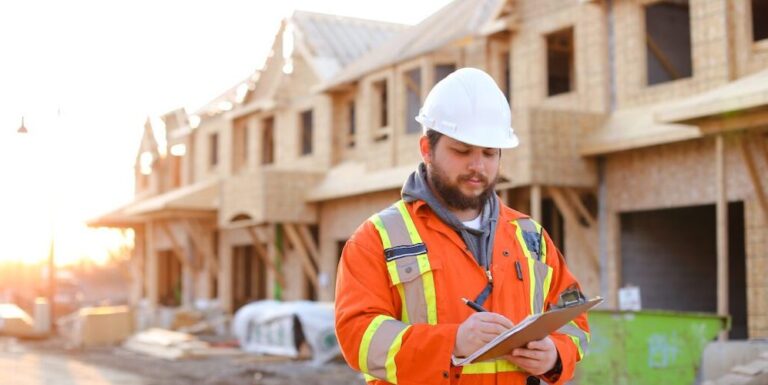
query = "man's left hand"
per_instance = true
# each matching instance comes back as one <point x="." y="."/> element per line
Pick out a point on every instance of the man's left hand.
<point x="537" y="357"/>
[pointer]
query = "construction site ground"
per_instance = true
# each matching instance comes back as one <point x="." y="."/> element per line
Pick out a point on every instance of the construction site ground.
<point x="38" y="362"/>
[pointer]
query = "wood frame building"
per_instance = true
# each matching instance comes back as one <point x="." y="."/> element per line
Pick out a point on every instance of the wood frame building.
<point x="645" y="158"/>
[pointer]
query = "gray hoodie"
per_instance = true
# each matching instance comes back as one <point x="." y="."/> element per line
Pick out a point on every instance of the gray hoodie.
<point x="479" y="242"/>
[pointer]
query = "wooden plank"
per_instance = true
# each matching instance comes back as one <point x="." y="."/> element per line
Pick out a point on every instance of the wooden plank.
<point x="749" y="161"/>
<point x="152" y="276"/>
<point x="574" y="199"/>
<point x="198" y="237"/>
<point x="177" y="250"/>
<point x="410" y="85"/>
<point x="613" y="228"/>
<point x="536" y="202"/>
<point x="671" y="70"/>
<point x="504" y="196"/>
<point x="722" y="231"/>
<point x="570" y="216"/>
<point x="306" y="262"/>
<point x="309" y="242"/>
<point x="264" y="255"/>
<point x="764" y="140"/>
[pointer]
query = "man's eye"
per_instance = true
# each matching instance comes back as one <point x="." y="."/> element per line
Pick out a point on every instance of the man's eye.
<point x="461" y="151"/>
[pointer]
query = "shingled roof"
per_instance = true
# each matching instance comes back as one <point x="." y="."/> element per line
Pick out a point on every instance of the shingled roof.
<point x="335" y="41"/>
<point x="453" y="22"/>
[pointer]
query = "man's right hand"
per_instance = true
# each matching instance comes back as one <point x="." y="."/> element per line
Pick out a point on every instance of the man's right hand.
<point x="478" y="330"/>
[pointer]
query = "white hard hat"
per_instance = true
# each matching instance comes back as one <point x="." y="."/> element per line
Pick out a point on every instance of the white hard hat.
<point x="468" y="106"/>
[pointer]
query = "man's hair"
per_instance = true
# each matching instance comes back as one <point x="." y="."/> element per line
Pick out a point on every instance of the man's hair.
<point x="433" y="137"/>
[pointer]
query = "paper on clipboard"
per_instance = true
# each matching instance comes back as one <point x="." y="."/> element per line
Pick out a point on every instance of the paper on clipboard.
<point x="532" y="328"/>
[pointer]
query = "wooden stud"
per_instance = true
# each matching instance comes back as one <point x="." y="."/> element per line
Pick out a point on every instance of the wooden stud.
<point x="152" y="274"/>
<point x="293" y="237"/>
<point x="176" y="247"/>
<point x="198" y="236"/>
<point x="749" y="161"/>
<point x="264" y="254"/>
<point x="613" y="227"/>
<point x="410" y="85"/>
<point x="504" y="196"/>
<point x="574" y="198"/>
<point x="671" y="70"/>
<point x="536" y="202"/>
<point x="309" y="242"/>
<point x="722" y="231"/>
<point x="570" y="216"/>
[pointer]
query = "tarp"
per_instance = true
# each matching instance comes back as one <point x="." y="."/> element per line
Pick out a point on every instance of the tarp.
<point x="279" y="328"/>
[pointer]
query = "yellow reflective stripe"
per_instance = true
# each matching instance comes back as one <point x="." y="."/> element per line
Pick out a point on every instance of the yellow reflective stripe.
<point x="369" y="378"/>
<point x="362" y="355"/>
<point x="547" y="284"/>
<point x="392" y="269"/>
<point x="377" y="222"/>
<point x="431" y="297"/>
<point x="490" y="367"/>
<point x="412" y="232"/>
<point x="575" y="333"/>
<point x="575" y="341"/>
<point x="393" y="350"/>
<point x="532" y="279"/>
<point x="404" y="314"/>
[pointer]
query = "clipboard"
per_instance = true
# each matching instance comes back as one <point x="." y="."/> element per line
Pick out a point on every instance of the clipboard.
<point x="532" y="328"/>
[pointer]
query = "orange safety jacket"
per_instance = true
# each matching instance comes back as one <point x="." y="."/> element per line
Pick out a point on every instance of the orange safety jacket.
<point x="399" y="286"/>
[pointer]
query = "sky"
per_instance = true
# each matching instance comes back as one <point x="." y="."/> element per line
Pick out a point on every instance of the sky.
<point x="86" y="74"/>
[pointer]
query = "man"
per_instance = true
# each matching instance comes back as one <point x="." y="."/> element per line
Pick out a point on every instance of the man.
<point x="403" y="273"/>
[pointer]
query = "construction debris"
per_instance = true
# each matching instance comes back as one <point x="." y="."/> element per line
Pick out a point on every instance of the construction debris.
<point x="171" y="345"/>
<point x="299" y="329"/>
<point x="94" y="326"/>
<point x="752" y="373"/>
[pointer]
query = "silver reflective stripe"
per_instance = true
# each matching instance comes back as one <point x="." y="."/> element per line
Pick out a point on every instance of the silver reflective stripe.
<point x="380" y="344"/>
<point x="412" y="277"/>
<point x="529" y="226"/>
<point x="540" y="270"/>
<point x="572" y="330"/>
<point x="414" y="296"/>
<point x="396" y="229"/>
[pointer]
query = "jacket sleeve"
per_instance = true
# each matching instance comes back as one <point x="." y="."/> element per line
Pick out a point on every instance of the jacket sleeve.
<point x="572" y="339"/>
<point x="372" y="339"/>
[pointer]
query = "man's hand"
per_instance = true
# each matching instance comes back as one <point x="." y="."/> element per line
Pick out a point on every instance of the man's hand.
<point x="477" y="330"/>
<point x="537" y="358"/>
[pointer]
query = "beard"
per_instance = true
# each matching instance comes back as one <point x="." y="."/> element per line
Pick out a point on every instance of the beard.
<point x="451" y="194"/>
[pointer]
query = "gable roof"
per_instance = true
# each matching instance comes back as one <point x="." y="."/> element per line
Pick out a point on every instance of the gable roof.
<point x="326" y="42"/>
<point x="333" y="41"/>
<point x="148" y="141"/>
<point x="453" y="22"/>
<point x="230" y="98"/>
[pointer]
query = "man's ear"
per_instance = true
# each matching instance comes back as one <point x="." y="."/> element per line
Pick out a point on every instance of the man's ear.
<point x="426" y="152"/>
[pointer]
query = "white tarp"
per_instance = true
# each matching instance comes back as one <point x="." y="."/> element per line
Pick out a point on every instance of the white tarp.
<point x="277" y="328"/>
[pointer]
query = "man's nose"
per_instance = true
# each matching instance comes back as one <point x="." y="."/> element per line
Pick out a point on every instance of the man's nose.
<point x="476" y="163"/>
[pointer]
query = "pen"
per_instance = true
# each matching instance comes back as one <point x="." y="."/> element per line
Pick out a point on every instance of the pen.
<point x="473" y="305"/>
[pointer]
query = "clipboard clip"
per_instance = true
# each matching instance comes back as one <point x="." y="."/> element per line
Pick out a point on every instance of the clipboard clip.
<point x="571" y="296"/>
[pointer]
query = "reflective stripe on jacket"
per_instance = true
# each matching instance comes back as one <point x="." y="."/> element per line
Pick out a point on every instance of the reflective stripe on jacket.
<point x="397" y="312"/>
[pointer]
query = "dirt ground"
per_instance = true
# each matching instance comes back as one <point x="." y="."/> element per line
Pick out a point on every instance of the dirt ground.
<point x="239" y="370"/>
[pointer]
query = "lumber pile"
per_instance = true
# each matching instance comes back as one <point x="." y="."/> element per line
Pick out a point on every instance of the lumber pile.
<point x="95" y="326"/>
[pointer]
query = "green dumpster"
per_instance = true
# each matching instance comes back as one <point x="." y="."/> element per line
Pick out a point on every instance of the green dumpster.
<point x="646" y="347"/>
